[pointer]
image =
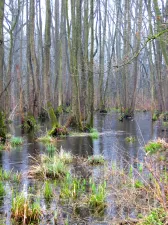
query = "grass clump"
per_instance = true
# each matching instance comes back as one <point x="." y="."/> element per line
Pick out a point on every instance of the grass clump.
<point x="65" y="157"/>
<point x="2" y="147"/>
<point x="16" y="141"/>
<point x="72" y="187"/>
<point x="46" y="139"/>
<point x="50" y="149"/>
<point x="130" y="139"/>
<point x="97" y="198"/>
<point x="23" y="211"/>
<point x="138" y="184"/>
<point x="48" y="194"/>
<point x="5" y="175"/>
<point x="153" y="147"/>
<point x="156" y="217"/>
<point x="49" y="167"/>
<point x="96" y="159"/>
<point x="94" y="133"/>
<point x="2" y="190"/>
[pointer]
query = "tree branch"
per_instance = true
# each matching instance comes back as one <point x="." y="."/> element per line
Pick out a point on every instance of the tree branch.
<point x="149" y="39"/>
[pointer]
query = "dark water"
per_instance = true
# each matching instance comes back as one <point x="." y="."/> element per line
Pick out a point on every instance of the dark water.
<point x="111" y="143"/>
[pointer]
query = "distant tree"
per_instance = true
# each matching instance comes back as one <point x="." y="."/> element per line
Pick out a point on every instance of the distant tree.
<point x="1" y="50"/>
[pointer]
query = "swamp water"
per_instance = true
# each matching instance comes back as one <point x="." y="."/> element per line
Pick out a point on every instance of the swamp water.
<point x="111" y="144"/>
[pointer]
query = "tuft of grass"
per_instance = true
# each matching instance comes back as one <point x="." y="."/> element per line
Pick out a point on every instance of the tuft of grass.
<point x="48" y="194"/>
<point x="65" y="157"/>
<point x="16" y="177"/>
<point x="72" y="187"/>
<point x="49" y="167"/>
<point x="46" y="139"/>
<point x="16" y="141"/>
<point x="156" y="217"/>
<point x="130" y="139"/>
<point x="5" y="175"/>
<point x="138" y="184"/>
<point x="10" y="176"/>
<point x="2" y="190"/>
<point x="2" y="147"/>
<point x="97" y="198"/>
<point x="23" y="211"/>
<point x="94" y="133"/>
<point x="140" y="167"/>
<point x="50" y="148"/>
<point x="153" y="147"/>
<point x="96" y="159"/>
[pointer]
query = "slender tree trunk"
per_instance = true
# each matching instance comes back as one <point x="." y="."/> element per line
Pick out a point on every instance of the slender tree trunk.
<point x="91" y="69"/>
<point x="33" y="63"/>
<point x="47" y="46"/>
<point x="1" y="50"/>
<point x="137" y="47"/>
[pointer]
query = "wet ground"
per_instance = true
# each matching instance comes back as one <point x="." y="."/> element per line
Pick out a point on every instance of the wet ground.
<point x="111" y="143"/>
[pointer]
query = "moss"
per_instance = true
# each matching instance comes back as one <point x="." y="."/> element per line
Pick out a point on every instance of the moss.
<point x="59" y="110"/>
<point x="29" y="123"/>
<point x="155" y="116"/>
<point x="43" y="115"/>
<point x="58" y="131"/>
<point x="165" y="116"/>
<point x="52" y="116"/>
<point x="3" y="129"/>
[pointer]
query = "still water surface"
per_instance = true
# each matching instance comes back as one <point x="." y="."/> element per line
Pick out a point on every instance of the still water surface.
<point x="111" y="143"/>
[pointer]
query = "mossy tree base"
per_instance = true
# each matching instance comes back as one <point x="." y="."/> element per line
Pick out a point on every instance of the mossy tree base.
<point x="29" y="123"/>
<point x="126" y="114"/>
<point x="72" y="122"/>
<point x="58" y="131"/>
<point x="3" y="129"/>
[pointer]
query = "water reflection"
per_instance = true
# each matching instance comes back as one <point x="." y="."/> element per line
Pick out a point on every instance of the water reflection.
<point x="111" y="142"/>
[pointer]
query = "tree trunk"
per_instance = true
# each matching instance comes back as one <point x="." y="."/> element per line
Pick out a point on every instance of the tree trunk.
<point x="1" y="50"/>
<point x="47" y="46"/>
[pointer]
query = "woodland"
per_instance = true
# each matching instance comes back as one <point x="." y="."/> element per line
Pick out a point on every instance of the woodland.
<point x="84" y="112"/>
<point x="83" y="56"/>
